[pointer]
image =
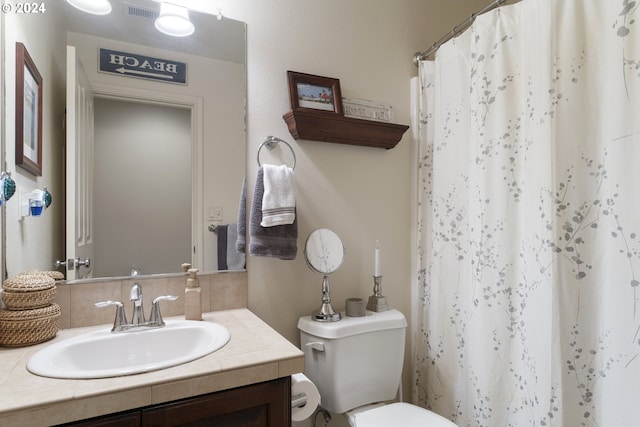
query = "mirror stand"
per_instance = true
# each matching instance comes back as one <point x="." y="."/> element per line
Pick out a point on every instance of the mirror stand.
<point x="324" y="253"/>
<point x="326" y="313"/>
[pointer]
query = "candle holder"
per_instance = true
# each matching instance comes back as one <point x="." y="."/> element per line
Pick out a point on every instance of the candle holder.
<point x="377" y="302"/>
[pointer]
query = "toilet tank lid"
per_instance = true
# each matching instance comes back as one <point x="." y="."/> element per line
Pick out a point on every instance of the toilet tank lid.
<point x="371" y="321"/>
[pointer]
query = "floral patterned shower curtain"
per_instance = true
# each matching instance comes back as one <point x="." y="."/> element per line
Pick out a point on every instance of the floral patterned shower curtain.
<point x="527" y="301"/>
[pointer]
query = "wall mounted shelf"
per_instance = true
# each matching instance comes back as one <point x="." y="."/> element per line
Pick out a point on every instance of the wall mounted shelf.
<point x="318" y="126"/>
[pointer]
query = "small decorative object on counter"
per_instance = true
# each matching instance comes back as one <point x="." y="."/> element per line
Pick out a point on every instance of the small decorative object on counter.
<point x="377" y="302"/>
<point x="28" y="291"/>
<point x="354" y="307"/>
<point x="193" y="297"/>
<point x="19" y="328"/>
<point x="30" y="316"/>
<point x="324" y="253"/>
<point x="54" y="274"/>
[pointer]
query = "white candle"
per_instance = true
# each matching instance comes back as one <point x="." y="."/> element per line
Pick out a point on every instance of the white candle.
<point x="377" y="260"/>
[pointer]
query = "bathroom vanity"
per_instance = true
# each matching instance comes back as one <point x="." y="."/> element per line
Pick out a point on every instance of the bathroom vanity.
<point x="264" y="404"/>
<point x="247" y="382"/>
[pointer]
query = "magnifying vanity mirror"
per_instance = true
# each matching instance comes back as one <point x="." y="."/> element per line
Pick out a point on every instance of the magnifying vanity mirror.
<point x="200" y="195"/>
<point x="324" y="253"/>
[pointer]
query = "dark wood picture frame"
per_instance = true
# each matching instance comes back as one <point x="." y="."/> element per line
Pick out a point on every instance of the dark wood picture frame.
<point x="28" y="113"/>
<point x="308" y="92"/>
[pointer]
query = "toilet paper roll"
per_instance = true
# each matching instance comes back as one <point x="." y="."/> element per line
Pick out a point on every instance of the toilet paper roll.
<point x="300" y="384"/>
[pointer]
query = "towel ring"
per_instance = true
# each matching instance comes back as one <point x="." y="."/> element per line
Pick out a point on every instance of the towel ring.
<point x="270" y="143"/>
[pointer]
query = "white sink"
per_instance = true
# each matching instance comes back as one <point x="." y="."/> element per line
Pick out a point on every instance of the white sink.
<point x="103" y="354"/>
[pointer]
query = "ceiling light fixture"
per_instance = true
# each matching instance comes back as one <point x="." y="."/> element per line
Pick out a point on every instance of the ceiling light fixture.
<point x="174" y="20"/>
<point x="94" y="7"/>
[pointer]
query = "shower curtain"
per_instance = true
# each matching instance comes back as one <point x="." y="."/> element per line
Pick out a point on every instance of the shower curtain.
<point x="527" y="293"/>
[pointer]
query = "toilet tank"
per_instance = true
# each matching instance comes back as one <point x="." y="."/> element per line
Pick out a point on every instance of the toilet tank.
<point x="354" y="361"/>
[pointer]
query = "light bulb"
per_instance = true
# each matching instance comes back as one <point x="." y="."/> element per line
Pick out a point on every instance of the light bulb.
<point x="174" y="20"/>
<point x="94" y="7"/>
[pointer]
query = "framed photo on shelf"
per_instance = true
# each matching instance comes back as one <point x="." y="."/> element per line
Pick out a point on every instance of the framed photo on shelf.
<point x="314" y="93"/>
<point x="28" y="113"/>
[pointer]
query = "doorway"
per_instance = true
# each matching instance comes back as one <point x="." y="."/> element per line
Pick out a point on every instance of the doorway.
<point x="142" y="190"/>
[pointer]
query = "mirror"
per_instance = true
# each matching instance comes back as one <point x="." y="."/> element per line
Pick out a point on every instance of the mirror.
<point x="213" y="100"/>
<point x="324" y="253"/>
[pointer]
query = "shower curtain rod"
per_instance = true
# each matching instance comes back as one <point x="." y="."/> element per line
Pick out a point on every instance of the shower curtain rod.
<point x="419" y="56"/>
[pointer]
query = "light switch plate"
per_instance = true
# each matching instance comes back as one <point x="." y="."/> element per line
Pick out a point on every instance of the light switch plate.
<point x="215" y="213"/>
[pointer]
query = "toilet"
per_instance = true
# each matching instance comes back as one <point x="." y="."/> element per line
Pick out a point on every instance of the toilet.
<point x="356" y="364"/>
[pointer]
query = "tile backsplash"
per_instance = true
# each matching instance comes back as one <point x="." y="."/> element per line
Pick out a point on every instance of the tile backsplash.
<point x="220" y="291"/>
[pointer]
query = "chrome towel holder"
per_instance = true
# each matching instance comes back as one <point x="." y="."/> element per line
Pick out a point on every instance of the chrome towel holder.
<point x="270" y="143"/>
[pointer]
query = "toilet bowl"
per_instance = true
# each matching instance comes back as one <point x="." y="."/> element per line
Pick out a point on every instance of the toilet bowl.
<point x="356" y="364"/>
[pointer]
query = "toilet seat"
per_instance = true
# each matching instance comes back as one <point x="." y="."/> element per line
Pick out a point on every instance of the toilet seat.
<point x="400" y="414"/>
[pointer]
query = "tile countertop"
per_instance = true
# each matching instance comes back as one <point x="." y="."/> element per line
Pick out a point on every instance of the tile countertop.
<point x="255" y="353"/>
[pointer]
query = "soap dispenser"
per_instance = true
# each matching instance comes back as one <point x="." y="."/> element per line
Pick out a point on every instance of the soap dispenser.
<point x="192" y="297"/>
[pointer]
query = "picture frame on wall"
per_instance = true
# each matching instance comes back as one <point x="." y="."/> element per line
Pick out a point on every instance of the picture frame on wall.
<point x="309" y="92"/>
<point x="28" y="112"/>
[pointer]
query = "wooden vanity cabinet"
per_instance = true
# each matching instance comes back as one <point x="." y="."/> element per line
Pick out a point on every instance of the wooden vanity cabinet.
<point x="259" y="405"/>
<point x="265" y="404"/>
<point x="124" y="419"/>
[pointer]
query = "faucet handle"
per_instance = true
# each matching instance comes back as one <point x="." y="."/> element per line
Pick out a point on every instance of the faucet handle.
<point x="156" y="317"/>
<point x="121" y="316"/>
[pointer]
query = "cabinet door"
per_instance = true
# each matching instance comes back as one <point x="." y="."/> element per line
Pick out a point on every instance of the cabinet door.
<point x="260" y="405"/>
<point x="127" y="419"/>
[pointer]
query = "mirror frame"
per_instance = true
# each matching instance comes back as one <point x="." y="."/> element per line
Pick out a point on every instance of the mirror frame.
<point x="3" y="152"/>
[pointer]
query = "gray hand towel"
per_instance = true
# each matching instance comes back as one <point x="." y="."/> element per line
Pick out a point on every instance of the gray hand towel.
<point x="280" y="241"/>
<point x="221" y="231"/>
<point x="242" y="219"/>
<point x="235" y="259"/>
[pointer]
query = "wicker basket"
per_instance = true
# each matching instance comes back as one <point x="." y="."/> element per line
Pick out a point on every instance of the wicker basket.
<point x="26" y="292"/>
<point x="28" y="327"/>
<point x="28" y="283"/>
<point x="28" y="300"/>
<point x="54" y="274"/>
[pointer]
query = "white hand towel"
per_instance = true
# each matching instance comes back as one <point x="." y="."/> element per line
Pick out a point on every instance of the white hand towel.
<point x="278" y="199"/>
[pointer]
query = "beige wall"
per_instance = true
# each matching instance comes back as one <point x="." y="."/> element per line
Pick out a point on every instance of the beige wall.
<point x="364" y="194"/>
<point x="36" y="241"/>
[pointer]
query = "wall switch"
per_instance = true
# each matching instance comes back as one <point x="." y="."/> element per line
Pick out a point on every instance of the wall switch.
<point x="215" y="213"/>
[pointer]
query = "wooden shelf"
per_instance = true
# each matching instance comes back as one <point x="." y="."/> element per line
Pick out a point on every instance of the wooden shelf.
<point x="319" y="126"/>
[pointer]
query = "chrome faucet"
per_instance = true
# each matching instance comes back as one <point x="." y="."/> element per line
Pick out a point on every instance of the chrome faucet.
<point x="138" y="322"/>
<point x="135" y="295"/>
